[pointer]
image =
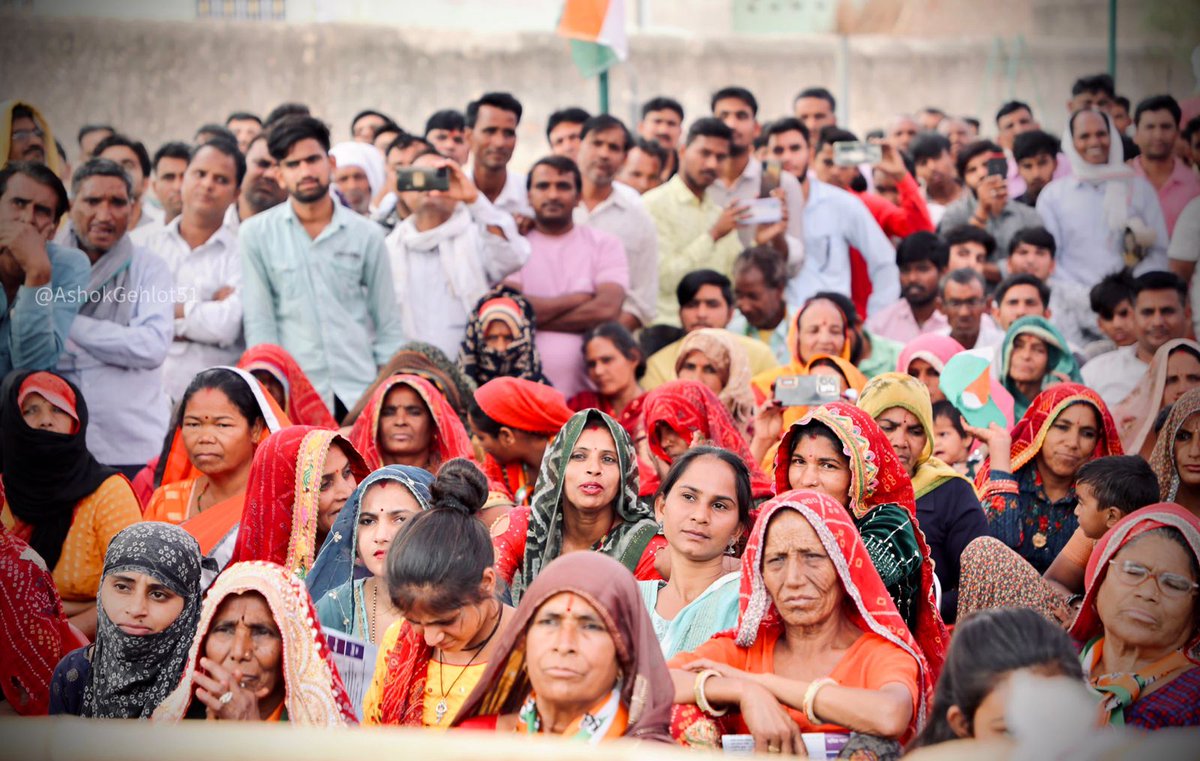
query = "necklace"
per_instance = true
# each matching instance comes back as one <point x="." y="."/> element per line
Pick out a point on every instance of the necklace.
<point x="374" y="610"/>
<point x="201" y="495"/>
<point x="441" y="708"/>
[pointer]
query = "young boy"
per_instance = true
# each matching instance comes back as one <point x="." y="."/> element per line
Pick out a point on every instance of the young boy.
<point x="1108" y="489"/>
<point x="1112" y="301"/>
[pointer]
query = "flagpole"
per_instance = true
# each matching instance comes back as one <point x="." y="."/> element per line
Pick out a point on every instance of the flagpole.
<point x="604" y="92"/>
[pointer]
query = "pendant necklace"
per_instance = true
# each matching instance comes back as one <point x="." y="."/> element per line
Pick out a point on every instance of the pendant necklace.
<point x="441" y="708"/>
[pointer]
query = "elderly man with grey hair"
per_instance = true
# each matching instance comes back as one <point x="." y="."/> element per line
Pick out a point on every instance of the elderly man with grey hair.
<point x="125" y="325"/>
<point x="965" y="304"/>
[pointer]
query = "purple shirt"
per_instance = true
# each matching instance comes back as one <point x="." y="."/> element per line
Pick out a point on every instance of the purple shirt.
<point x="1182" y="186"/>
<point x="577" y="262"/>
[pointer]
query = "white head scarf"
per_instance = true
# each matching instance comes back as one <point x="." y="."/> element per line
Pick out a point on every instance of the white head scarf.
<point x="1115" y="175"/>
<point x="364" y="156"/>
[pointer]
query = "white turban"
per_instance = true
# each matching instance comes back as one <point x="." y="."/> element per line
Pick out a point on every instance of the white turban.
<point x="364" y="156"/>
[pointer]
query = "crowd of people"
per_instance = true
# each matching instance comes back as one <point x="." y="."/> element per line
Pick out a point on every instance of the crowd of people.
<point x="708" y="432"/>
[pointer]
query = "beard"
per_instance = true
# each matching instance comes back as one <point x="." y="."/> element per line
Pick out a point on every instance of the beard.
<point x="917" y="295"/>
<point x="308" y="196"/>
<point x="264" y="194"/>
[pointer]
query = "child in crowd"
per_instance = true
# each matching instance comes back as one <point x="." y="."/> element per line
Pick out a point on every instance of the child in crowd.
<point x="951" y="442"/>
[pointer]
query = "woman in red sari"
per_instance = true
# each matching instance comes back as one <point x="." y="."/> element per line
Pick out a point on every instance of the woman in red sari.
<point x="683" y="413"/>
<point x="34" y="625"/>
<point x="287" y="384"/>
<point x="614" y="360"/>
<point x="839" y="450"/>
<point x="300" y="479"/>
<point x="817" y="635"/>
<point x="407" y="421"/>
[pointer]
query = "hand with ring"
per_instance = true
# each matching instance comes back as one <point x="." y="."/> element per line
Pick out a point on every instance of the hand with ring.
<point x="221" y="691"/>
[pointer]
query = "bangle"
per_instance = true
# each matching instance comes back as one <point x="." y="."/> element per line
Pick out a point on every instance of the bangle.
<point x="810" y="696"/>
<point x="701" y="698"/>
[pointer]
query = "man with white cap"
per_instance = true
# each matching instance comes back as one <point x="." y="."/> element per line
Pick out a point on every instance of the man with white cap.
<point x="358" y="174"/>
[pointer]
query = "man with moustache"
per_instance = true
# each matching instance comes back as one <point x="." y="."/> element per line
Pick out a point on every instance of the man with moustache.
<point x="576" y="276"/>
<point x="315" y="275"/>
<point x="922" y="258"/>
<point x="170" y="162"/>
<point x="206" y="265"/>
<point x="643" y="165"/>
<point x="27" y="136"/>
<point x="135" y="160"/>
<point x="260" y="186"/>
<point x="662" y="123"/>
<point x="492" y="134"/>
<point x="617" y="209"/>
<point x="120" y="337"/>
<point x="1157" y="121"/>
<point x="694" y="232"/>
<point x="34" y="328"/>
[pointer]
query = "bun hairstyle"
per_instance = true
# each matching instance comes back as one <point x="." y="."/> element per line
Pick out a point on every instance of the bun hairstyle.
<point x="439" y="558"/>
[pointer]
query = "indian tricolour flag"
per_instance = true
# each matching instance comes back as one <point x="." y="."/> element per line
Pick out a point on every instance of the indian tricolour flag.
<point x="596" y="29"/>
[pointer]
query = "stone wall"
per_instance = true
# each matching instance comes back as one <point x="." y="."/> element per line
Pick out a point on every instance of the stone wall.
<point x="160" y="80"/>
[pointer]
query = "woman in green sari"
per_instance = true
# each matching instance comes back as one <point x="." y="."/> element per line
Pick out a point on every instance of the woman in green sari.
<point x="586" y="498"/>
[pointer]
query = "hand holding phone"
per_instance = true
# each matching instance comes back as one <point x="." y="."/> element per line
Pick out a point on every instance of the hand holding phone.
<point x="807" y="390"/>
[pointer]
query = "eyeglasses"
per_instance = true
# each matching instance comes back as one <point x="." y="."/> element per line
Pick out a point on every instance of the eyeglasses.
<point x="22" y="135"/>
<point x="1133" y="574"/>
<point x="956" y="304"/>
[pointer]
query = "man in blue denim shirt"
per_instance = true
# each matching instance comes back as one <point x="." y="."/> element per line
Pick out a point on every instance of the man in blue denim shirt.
<point x="33" y="324"/>
<point x="315" y="275"/>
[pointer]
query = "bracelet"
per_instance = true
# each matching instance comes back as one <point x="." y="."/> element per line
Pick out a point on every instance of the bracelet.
<point x="810" y="696"/>
<point x="701" y="698"/>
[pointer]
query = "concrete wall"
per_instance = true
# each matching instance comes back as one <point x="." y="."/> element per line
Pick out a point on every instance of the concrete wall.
<point x="160" y="80"/>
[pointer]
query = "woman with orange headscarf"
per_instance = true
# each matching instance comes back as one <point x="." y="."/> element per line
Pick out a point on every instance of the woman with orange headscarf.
<point x="202" y="475"/>
<point x="57" y="497"/>
<point x="283" y="379"/>
<point x="407" y="421"/>
<point x="821" y="327"/>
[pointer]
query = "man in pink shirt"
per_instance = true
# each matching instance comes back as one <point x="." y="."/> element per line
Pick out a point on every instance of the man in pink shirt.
<point x="1157" y="121"/>
<point x="576" y="276"/>
<point x="922" y="258"/>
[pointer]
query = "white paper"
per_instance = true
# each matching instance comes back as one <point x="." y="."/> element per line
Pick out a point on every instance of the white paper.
<point x="355" y="661"/>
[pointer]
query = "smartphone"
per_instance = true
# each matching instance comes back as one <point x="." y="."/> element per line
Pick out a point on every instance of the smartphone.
<point x="807" y="390"/>
<point x="997" y="166"/>
<point x="763" y="211"/>
<point x="422" y="179"/>
<point x="856" y="153"/>
<point x="771" y="173"/>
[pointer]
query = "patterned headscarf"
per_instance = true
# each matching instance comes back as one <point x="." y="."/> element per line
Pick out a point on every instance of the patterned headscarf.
<point x="869" y="605"/>
<point x="889" y="390"/>
<point x="337" y="560"/>
<point x="1029" y="433"/>
<point x="425" y="361"/>
<point x="1165" y="514"/>
<point x="131" y="675"/>
<point x="33" y="627"/>
<point x="304" y="405"/>
<point x="314" y="693"/>
<point x="876" y="478"/>
<point x="543" y="542"/>
<point x="691" y="408"/>
<point x="1059" y="360"/>
<point x="728" y="356"/>
<point x="1162" y="460"/>
<point x="450" y="439"/>
<point x="1136" y="413"/>
<point x="520" y="359"/>
<point x="645" y="682"/>
<point x="279" y="519"/>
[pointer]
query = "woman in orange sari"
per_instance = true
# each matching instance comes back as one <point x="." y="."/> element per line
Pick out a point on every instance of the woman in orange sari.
<point x="287" y="384"/>
<point x="408" y="421"/>
<point x="223" y="416"/>
<point x="300" y="479"/>
<point x="817" y="636"/>
<point x="820" y="327"/>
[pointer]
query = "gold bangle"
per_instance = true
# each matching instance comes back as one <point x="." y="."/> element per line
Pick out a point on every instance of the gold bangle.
<point x="701" y="698"/>
<point x="810" y="697"/>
